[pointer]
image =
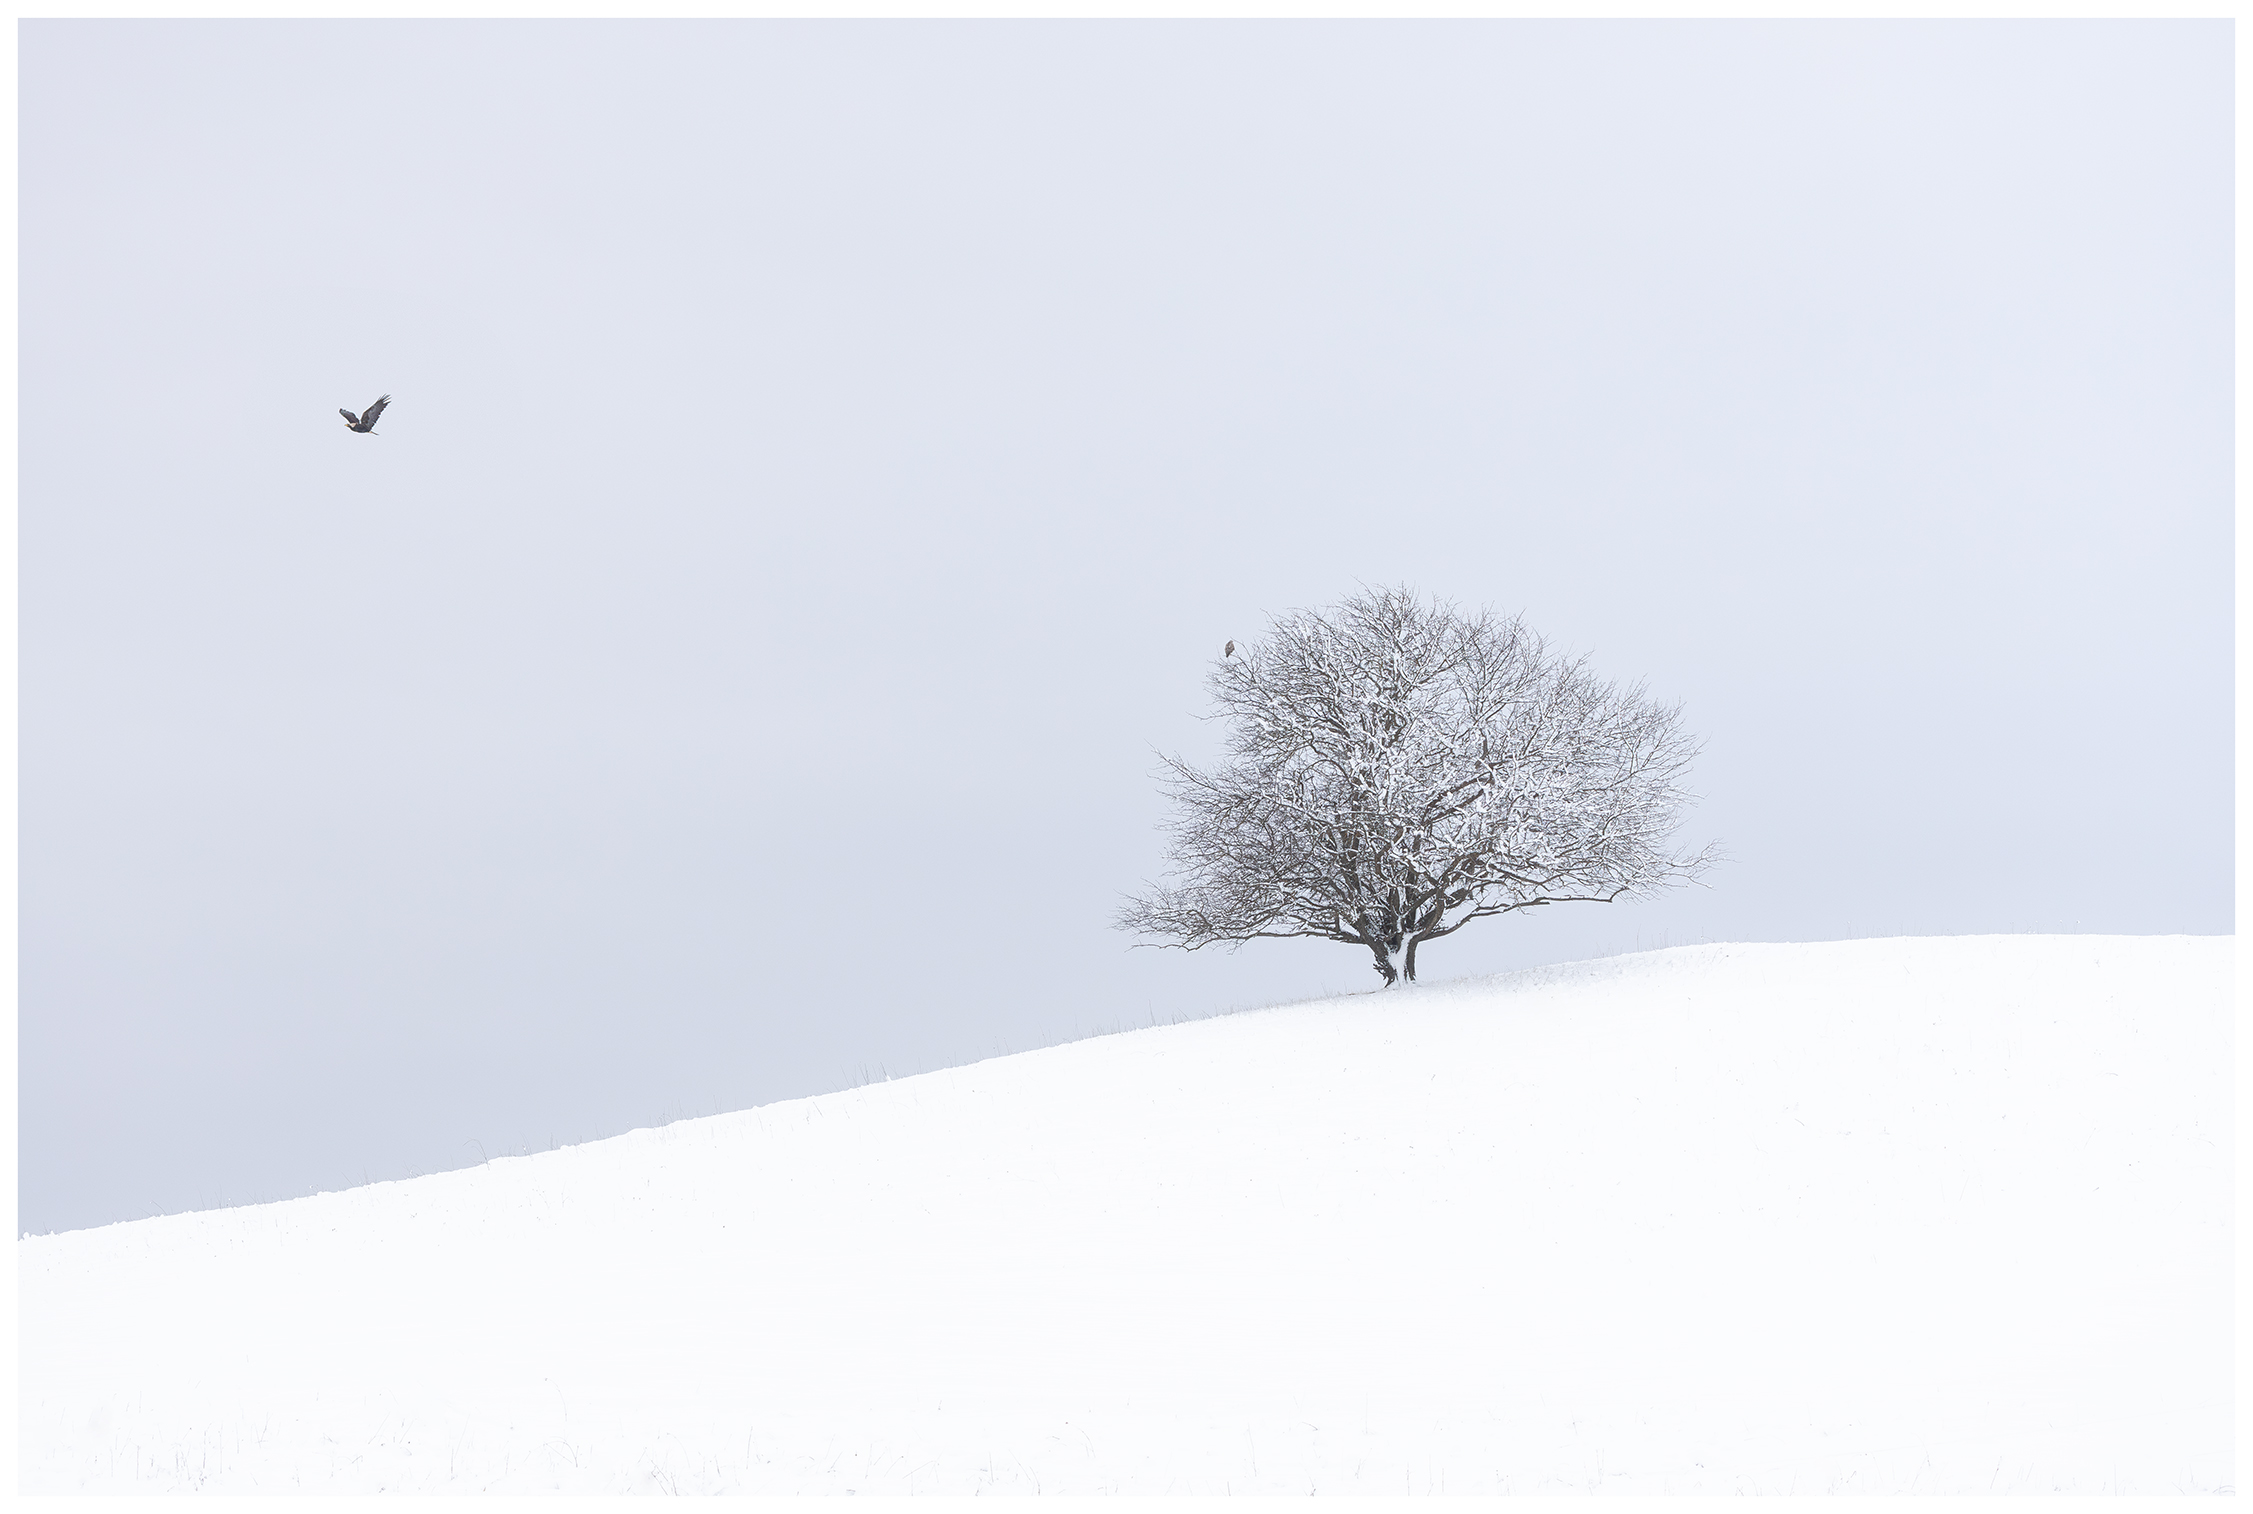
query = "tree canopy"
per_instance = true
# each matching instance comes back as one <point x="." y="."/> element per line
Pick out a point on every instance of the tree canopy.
<point x="1397" y="768"/>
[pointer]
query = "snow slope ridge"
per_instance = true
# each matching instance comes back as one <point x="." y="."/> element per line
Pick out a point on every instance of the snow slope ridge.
<point x="1932" y="1215"/>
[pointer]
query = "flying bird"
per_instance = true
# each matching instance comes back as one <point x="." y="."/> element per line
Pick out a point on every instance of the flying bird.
<point x="1229" y="650"/>
<point x="365" y="422"/>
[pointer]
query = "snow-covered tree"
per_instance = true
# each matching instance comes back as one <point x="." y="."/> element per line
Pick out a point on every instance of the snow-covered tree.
<point x="1397" y="769"/>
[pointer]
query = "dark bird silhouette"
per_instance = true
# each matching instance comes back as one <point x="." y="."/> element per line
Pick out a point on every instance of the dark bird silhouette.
<point x="365" y="422"/>
<point x="1229" y="650"/>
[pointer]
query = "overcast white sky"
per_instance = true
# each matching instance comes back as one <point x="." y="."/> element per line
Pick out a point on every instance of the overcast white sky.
<point x="824" y="458"/>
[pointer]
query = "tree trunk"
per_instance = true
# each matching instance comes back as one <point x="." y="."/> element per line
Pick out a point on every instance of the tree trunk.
<point x="1396" y="959"/>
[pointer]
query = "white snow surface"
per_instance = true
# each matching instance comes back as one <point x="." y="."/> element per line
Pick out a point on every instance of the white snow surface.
<point x="1931" y="1215"/>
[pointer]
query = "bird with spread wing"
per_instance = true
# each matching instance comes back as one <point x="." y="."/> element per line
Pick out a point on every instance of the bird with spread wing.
<point x="365" y="422"/>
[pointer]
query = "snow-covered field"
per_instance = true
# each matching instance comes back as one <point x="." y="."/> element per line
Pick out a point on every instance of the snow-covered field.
<point x="1933" y="1215"/>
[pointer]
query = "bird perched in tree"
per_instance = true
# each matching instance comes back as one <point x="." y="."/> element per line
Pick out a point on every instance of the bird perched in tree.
<point x="1229" y="650"/>
<point x="365" y="422"/>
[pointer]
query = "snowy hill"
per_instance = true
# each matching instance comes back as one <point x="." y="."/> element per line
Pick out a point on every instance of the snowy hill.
<point x="1941" y="1215"/>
